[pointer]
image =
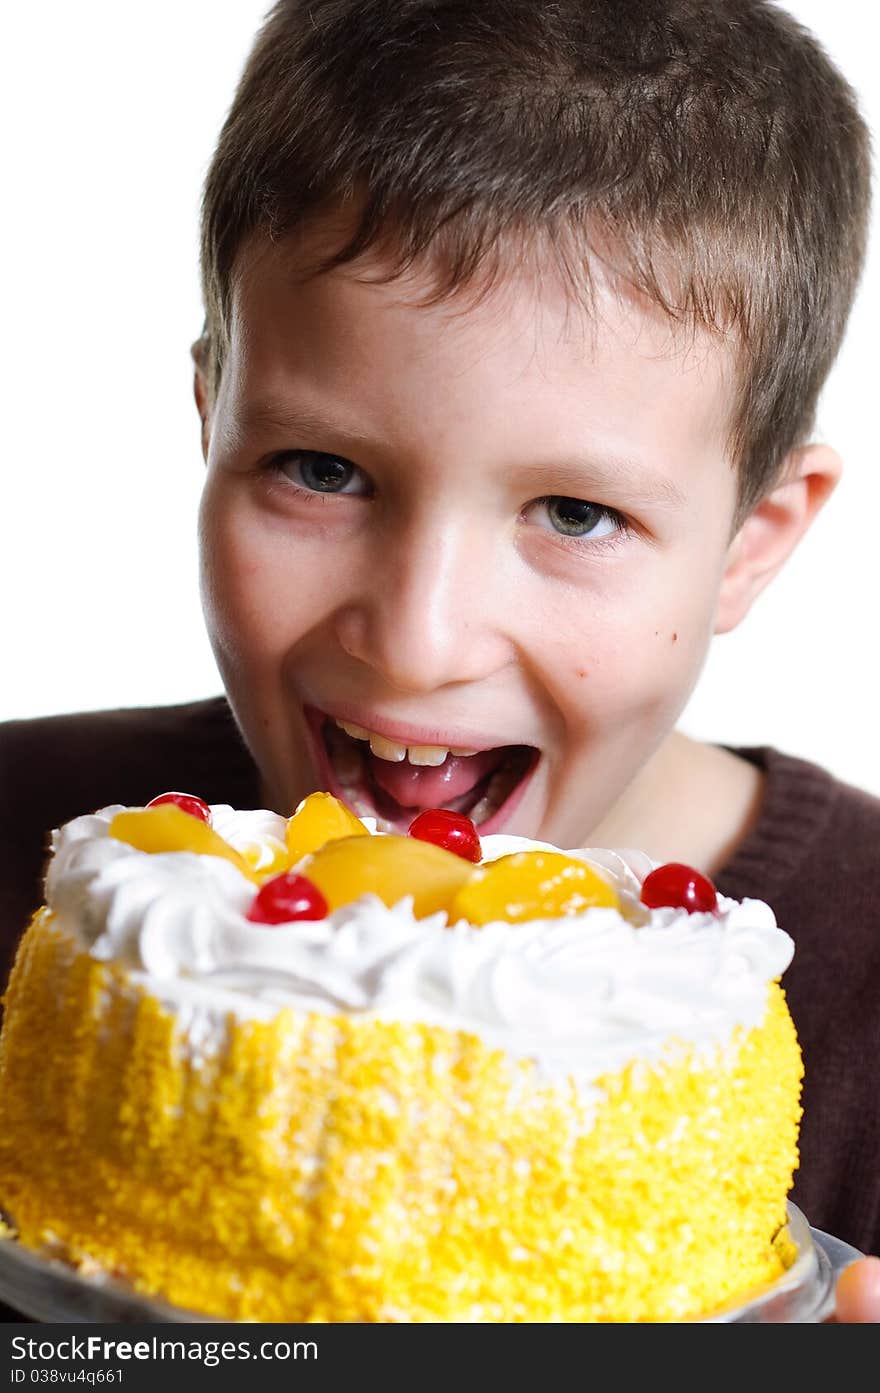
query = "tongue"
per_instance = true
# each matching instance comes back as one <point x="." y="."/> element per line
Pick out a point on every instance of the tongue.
<point x="417" y="786"/>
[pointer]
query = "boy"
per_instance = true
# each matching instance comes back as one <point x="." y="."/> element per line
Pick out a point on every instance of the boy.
<point x="516" y="320"/>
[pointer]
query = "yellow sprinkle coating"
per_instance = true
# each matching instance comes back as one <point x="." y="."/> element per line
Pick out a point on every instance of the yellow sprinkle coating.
<point x="341" y="1168"/>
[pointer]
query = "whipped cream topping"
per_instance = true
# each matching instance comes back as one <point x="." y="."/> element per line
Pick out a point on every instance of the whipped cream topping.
<point x="581" y="995"/>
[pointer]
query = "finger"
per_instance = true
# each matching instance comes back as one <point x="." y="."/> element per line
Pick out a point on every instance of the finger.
<point x="858" y="1292"/>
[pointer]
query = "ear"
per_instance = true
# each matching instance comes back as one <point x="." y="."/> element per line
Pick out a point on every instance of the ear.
<point x="202" y="392"/>
<point x="773" y="529"/>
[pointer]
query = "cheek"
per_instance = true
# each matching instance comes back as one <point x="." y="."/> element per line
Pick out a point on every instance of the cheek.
<point x="260" y="589"/>
<point x="643" y="665"/>
<point x="227" y="574"/>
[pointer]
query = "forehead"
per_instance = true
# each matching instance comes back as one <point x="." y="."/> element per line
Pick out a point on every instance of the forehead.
<point x="521" y="352"/>
<point x="578" y="291"/>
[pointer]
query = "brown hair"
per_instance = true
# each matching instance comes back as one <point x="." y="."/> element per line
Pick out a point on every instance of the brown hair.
<point x="711" y="142"/>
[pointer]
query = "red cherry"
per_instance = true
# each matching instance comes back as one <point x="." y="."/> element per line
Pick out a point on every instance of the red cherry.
<point x="679" y="887"/>
<point x="187" y="802"/>
<point x="453" y="831"/>
<point x="286" y="897"/>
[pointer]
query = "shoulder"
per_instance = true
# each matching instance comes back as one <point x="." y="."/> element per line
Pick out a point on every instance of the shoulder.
<point x="54" y="768"/>
<point x="831" y="812"/>
<point x="812" y="854"/>
<point x="800" y="778"/>
<point x="811" y="829"/>
<point x="72" y="763"/>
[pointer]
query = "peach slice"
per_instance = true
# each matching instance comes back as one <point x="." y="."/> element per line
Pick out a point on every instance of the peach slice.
<point x="320" y="818"/>
<point x="531" y="885"/>
<point x="388" y="866"/>
<point x="169" y="828"/>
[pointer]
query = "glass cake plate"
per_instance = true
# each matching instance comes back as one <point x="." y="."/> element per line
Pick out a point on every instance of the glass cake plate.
<point x="49" y="1290"/>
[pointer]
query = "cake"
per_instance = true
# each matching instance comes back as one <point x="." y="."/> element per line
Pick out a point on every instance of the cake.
<point x="275" y="1069"/>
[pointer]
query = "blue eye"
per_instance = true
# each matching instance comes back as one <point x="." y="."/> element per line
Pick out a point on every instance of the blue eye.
<point x="576" y="517"/>
<point x="320" y="473"/>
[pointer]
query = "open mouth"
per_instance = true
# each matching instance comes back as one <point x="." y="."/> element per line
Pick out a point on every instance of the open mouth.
<point x="392" y="783"/>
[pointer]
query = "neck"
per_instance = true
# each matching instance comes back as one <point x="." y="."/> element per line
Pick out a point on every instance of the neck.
<point x="691" y="802"/>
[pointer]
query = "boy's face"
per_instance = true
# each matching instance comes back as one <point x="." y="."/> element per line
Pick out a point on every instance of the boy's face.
<point x="495" y="527"/>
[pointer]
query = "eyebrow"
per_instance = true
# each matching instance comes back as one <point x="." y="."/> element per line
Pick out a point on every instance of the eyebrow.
<point x="605" y="474"/>
<point x="268" y="414"/>
<point x="608" y="474"/>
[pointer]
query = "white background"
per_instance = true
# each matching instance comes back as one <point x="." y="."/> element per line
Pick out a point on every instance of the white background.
<point x="110" y="113"/>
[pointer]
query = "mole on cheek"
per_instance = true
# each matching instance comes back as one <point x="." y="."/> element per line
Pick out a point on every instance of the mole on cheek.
<point x="675" y="638"/>
<point x="581" y="671"/>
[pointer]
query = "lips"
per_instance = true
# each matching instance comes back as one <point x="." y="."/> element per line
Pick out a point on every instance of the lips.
<point x="486" y="786"/>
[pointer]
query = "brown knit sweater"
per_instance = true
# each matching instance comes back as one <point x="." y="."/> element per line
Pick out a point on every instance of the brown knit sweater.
<point x="813" y="854"/>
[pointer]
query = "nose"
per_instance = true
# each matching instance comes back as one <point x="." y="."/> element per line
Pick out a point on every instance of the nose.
<point x="430" y="610"/>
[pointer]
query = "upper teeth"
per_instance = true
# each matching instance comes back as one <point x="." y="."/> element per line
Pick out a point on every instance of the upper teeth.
<point x="389" y="749"/>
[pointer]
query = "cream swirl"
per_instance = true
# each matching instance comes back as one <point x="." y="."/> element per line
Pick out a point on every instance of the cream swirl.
<point x="580" y="994"/>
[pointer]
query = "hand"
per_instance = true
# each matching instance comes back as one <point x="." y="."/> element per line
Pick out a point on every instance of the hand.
<point x="858" y="1293"/>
